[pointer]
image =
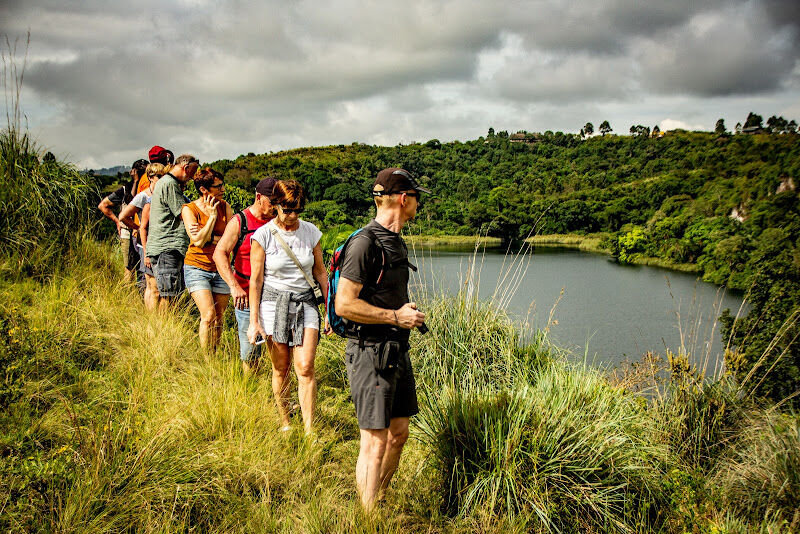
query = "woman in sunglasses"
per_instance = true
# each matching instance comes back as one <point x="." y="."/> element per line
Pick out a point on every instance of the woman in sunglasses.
<point x="288" y="317"/>
<point x="205" y="220"/>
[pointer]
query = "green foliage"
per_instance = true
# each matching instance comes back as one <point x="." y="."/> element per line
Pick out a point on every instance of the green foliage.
<point x="568" y="452"/>
<point x="630" y="243"/>
<point x="44" y="205"/>
<point x="761" y="476"/>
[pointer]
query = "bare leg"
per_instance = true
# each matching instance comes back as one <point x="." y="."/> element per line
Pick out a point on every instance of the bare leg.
<point x="220" y="304"/>
<point x="306" y="379"/>
<point x="208" y="316"/>
<point x="368" y="466"/>
<point x="279" y="353"/>
<point x="398" y="435"/>
<point x="150" y="292"/>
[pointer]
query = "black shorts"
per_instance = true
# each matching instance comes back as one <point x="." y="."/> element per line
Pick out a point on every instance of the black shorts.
<point x="379" y="395"/>
<point x="133" y="255"/>
<point x="168" y="270"/>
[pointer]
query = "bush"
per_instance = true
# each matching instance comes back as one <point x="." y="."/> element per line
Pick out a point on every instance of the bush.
<point x="569" y="452"/>
<point x="44" y="207"/>
<point x="761" y="476"/>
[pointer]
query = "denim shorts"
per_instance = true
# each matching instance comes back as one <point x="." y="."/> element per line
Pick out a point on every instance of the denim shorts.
<point x="247" y="351"/>
<point x="142" y="267"/>
<point x="168" y="268"/>
<point x="198" y="279"/>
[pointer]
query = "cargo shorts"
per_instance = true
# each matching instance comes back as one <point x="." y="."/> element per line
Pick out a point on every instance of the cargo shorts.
<point x="380" y="391"/>
<point x="168" y="268"/>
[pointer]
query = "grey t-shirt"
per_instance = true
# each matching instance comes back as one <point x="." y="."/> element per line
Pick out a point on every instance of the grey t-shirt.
<point x="166" y="226"/>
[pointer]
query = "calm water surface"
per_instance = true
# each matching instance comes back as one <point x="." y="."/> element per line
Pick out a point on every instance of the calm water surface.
<point x="600" y="310"/>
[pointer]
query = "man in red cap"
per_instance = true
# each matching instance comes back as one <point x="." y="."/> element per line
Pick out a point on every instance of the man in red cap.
<point x="379" y="320"/>
<point x="157" y="154"/>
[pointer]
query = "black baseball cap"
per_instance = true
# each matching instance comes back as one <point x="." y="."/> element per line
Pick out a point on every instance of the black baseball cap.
<point x="266" y="186"/>
<point x="395" y="180"/>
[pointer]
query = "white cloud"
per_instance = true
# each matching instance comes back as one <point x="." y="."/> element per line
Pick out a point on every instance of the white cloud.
<point x="674" y="124"/>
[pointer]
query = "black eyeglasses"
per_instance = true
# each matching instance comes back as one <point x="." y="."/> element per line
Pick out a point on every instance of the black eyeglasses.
<point x="291" y="210"/>
<point x="217" y="186"/>
<point x="412" y="194"/>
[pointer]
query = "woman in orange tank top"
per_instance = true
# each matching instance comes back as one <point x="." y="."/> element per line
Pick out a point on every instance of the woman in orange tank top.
<point x="205" y="220"/>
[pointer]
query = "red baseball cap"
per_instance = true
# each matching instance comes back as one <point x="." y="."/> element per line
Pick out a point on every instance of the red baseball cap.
<point x="158" y="154"/>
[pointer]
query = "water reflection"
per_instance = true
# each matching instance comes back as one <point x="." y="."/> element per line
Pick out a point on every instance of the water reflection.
<point x="593" y="306"/>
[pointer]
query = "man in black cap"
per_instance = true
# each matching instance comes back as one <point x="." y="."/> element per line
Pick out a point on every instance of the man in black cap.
<point x="236" y="271"/>
<point x="373" y="298"/>
<point x="119" y="199"/>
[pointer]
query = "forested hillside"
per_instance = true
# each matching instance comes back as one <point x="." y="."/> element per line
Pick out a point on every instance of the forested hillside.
<point x="724" y="202"/>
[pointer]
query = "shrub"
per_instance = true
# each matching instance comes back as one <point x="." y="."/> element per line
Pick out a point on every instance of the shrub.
<point x="761" y="476"/>
<point x="44" y="207"/>
<point x="568" y="451"/>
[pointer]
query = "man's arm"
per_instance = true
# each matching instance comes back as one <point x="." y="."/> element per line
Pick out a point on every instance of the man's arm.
<point x="127" y="215"/>
<point x="105" y="207"/>
<point x="222" y="255"/>
<point x="352" y="308"/>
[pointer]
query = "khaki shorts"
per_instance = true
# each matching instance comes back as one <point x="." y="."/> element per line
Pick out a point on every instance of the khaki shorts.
<point x="379" y="395"/>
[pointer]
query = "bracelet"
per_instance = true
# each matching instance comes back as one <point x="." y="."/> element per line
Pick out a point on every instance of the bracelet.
<point x="395" y="318"/>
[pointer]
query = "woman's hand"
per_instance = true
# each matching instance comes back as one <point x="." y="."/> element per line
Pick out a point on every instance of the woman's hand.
<point x="148" y="263"/>
<point x="209" y="206"/>
<point x="328" y="330"/>
<point x="254" y="331"/>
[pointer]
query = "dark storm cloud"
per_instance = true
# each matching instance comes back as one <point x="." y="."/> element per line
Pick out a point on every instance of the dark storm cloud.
<point x="236" y="76"/>
<point x="734" y="51"/>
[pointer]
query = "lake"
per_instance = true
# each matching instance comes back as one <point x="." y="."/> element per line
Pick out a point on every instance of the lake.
<point x="595" y="307"/>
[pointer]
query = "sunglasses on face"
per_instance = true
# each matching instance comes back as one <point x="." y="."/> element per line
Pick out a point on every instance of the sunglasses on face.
<point x="414" y="194"/>
<point x="291" y="210"/>
<point x="217" y="186"/>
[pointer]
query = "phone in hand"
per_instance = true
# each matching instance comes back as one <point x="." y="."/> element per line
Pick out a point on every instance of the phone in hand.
<point x="259" y="340"/>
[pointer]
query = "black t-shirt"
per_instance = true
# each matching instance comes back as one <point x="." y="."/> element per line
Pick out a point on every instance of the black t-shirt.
<point x="362" y="264"/>
<point x="122" y="195"/>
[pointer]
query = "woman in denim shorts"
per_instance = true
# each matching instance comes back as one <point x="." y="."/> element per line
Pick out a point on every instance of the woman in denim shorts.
<point x="205" y="220"/>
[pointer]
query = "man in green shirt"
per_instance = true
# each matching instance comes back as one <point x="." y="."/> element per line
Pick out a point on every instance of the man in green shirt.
<point x="167" y="240"/>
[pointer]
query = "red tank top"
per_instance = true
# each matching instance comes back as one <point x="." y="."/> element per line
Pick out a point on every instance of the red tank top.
<point x="241" y="263"/>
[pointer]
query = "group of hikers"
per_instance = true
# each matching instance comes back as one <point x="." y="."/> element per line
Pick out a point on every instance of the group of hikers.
<point x="270" y="262"/>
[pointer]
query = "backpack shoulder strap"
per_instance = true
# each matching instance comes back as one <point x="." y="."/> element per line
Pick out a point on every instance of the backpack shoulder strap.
<point x="376" y="242"/>
<point x="243" y="232"/>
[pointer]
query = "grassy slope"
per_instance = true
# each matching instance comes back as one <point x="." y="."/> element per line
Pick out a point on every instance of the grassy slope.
<point x="147" y="433"/>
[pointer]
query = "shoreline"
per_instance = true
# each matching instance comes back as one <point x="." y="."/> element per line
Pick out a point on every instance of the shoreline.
<point x="586" y="243"/>
<point x="591" y="243"/>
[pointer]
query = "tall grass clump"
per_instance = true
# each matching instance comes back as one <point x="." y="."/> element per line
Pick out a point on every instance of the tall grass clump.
<point x="700" y="415"/>
<point x="760" y="477"/>
<point x="568" y="452"/>
<point x="473" y="343"/>
<point x="44" y="203"/>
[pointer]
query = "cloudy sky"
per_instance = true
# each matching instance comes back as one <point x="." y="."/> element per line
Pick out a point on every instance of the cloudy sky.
<point x="106" y="80"/>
